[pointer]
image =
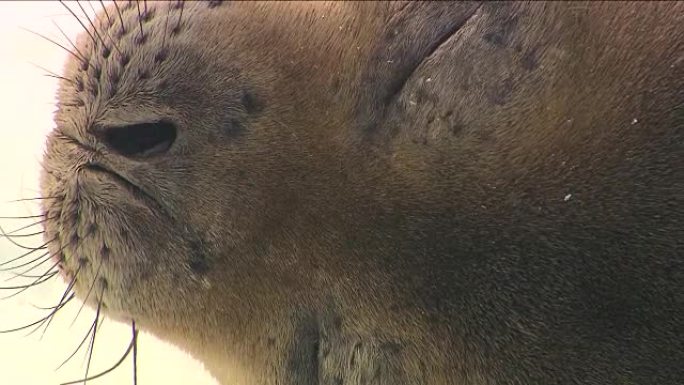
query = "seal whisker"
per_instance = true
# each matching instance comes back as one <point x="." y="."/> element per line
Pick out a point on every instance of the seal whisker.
<point x="33" y="199"/>
<point x="92" y="8"/>
<point x="80" y="345"/>
<point x="25" y="217"/>
<point x="131" y="347"/>
<point x="35" y="283"/>
<point x="40" y="320"/>
<point x="44" y="307"/>
<point x="135" y="352"/>
<point x="80" y="59"/>
<point x="60" y="78"/>
<point x="40" y="279"/>
<point x="79" y="22"/>
<point x="27" y="226"/>
<point x="91" y="345"/>
<point x="45" y="255"/>
<point x="142" y="34"/>
<point x="118" y="10"/>
<point x="90" y="289"/>
<point x="92" y="329"/>
<point x="24" y="287"/>
<point x="106" y="30"/>
<point x="180" y="17"/>
<point x="69" y="288"/>
<point x="42" y="275"/>
<point x="17" y="244"/>
<point x="25" y="274"/>
<point x="70" y="41"/>
<point x="43" y="246"/>
<point x="104" y="9"/>
<point x="90" y="21"/>
<point x="166" y="28"/>
<point x="52" y="74"/>
<point x="22" y="235"/>
<point x="9" y="238"/>
<point x="51" y="315"/>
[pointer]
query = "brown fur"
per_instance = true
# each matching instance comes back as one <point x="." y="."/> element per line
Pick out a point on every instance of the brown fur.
<point x="386" y="193"/>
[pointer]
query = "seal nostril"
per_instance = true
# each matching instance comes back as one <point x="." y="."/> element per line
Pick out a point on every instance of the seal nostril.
<point x="140" y="140"/>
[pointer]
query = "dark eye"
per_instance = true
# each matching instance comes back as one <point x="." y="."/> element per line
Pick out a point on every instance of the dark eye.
<point x="143" y="139"/>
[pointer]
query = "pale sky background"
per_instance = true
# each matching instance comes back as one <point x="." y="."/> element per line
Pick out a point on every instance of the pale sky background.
<point x="26" y="106"/>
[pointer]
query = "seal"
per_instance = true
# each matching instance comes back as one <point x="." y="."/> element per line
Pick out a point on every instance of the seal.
<point x="381" y="193"/>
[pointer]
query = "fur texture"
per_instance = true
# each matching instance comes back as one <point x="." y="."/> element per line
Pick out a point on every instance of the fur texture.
<point x="383" y="193"/>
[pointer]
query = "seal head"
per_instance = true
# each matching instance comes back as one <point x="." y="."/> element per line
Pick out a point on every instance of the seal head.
<point x="387" y="193"/>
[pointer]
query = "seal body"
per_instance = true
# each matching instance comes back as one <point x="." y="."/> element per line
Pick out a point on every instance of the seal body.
<point x="382" y="193"/>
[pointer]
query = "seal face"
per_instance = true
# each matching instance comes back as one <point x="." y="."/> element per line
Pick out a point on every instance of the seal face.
<point x="386" y="193"/>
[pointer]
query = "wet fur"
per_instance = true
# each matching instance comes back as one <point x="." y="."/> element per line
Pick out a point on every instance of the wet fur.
<point x="386" y="193"/>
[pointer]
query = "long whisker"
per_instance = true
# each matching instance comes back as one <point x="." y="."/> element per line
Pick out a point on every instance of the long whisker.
<point x="45" y="308"/>
<point x="24" y="273"/>
<point x="180" y="17"/>
<point x="68" y="289"/>
<point x="40" y="320"/>
<point x="79" y="22"/>
<point x="48" y="277"/>
<point x="24" y="217"/>
<point x="52" y="74"/>
<point x="52" y="314"/>
<point x="36" y="198"/>
<point x="59" y="78"/>
<point x="41" y="247"/>
<point x="28" y="286"/>
<point x="131" y="346"/>
<point x="166" y="28"/>
<point x="80" y="59"/>
<point x="80" y="345"/>
<point x="27" y="226"/>
<point x="106" y="30"/>
<point x="22" y="235"/>
<point x="90" y="289"/>
<point x="92" y="340"/>
<point x="142" y="34"/>
<point x="45" y="255"/>
<point x="4" y="234"/>
<point x="118" y="10"/>
<point x="135" y="352"/>
<point x="104" y="45"/>
<point x="92" y="8"/>
<point x="41" y="279"/>
<point x="104" y="9"/>
<point x="71" y="43"/>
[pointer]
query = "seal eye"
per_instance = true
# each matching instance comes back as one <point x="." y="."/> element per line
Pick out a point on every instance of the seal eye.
<point x="140" y="140"/>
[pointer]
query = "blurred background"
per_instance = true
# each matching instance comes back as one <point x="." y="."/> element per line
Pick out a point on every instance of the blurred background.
<point x="27" y="101"/>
